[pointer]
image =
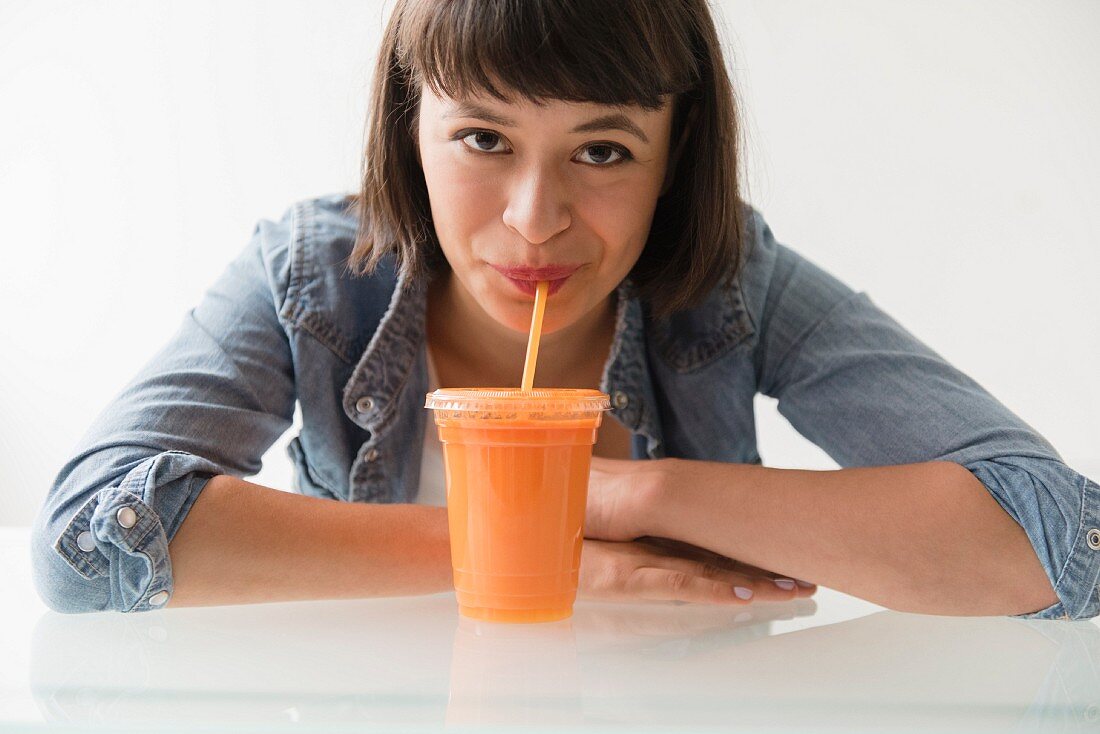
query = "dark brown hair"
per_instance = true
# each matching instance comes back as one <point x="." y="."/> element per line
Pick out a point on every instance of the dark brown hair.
<point x="614" y="52"/>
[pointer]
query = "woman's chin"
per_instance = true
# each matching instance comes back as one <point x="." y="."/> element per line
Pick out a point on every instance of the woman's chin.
<point x="519" y="319"/>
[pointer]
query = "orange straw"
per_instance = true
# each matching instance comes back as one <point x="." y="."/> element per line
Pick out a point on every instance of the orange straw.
<point x="533" y="337"/>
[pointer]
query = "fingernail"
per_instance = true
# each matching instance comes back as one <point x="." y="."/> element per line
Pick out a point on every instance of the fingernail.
<point x="742" y="592"/>
<point x="787" y="584"/>
<point x="803" y="584"/>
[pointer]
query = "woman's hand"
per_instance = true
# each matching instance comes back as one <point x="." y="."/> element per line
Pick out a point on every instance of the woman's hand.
<point x="621" y="562"/>
<point x="656" y="569"/>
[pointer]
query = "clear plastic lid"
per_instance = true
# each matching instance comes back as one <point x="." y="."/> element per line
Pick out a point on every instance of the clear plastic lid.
<point x="511" y="402"/>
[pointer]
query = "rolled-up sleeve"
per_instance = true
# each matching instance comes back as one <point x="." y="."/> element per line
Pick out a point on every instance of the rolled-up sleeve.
<point x="116" y="542"/>
<point x="854" y="381"/>
<point x="210" y="401"/>
<point x="1059" y="509"/>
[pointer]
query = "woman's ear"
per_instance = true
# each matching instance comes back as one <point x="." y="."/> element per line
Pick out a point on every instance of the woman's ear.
<point x="677" y="151"/>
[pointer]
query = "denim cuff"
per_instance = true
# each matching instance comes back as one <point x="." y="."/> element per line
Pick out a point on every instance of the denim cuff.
<point x="119" y="533"/>
<point x="1077" y="581"/>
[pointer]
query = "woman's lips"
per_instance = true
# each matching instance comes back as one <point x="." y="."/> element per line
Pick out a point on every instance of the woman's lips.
<point x="527" y="279"/>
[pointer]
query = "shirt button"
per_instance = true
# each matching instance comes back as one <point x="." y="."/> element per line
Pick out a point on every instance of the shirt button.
<point x="84" y="542"/>
<point x="372" y="454"/>
<point x="1094" y="539"/>
<point x="364" y="404"/>
<point x="619" y="399"/>
<point x="158" y="598"/>
<point x="126" y="517"/>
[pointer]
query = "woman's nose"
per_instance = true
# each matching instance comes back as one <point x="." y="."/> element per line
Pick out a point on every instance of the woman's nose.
<point x="538" y="207"/>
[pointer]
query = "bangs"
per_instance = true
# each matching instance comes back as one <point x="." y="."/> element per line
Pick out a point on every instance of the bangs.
<point x="614" y="52"/>
<point x="619" y="53"/>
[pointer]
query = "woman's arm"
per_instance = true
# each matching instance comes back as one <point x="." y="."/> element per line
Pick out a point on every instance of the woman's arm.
<point x="210" y="402"/>
<point x="905" y="521"/>
<point x="853" y="380"/>
<point x="243" y="543"/>
<point x="922" y="537"/>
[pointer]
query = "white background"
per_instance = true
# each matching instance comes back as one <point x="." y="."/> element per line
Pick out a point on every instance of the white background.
<point x="942" y="156"/>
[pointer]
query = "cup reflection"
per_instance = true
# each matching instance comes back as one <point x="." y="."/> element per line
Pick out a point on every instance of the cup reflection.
<point x="514" y="674"/>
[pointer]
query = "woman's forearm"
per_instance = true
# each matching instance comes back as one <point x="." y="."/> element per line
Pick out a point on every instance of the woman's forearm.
<point x="243" y="543"/>
<point x="923" y="538"/>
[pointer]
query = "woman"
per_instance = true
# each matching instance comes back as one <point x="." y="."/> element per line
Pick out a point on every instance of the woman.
<point x="594" y="145"/>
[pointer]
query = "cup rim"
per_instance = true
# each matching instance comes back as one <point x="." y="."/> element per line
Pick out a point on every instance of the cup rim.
<point x="556" y="399"/>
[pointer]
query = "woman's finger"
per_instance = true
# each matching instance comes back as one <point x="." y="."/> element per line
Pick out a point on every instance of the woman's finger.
<point x="712" y="564"/>
<point x="632" y="572"/>
<point x="805" y="588"/>
<point x="666" y="584"/>
<point x="685" y="580"/>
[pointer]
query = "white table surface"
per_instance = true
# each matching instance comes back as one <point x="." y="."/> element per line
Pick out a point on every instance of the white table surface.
<point x="412" y="664"/>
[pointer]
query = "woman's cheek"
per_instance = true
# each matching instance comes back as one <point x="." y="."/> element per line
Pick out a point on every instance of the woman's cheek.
<point x="621" y="224"/>
<point x="462" y="204"/>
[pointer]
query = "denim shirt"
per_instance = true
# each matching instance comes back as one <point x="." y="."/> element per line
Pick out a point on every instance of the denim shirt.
<point x="286" y="323"/>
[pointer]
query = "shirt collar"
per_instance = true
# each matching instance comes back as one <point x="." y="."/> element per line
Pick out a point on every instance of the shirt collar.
<point x="371" y="394"/>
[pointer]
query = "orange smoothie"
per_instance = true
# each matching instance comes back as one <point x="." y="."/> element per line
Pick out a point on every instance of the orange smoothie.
<point x="517" y="468"/>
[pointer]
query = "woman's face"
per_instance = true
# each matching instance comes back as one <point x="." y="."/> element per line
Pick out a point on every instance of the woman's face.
<point x="519" y="193"/>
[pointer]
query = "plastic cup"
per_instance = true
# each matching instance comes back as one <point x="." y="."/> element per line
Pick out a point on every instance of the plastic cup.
<point x="516" y="467"/>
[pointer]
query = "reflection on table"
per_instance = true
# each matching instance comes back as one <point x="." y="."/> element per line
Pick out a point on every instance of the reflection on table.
<point x="415" y="662"/>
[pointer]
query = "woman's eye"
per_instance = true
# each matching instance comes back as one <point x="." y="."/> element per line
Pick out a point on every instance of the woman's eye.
<point x="602" y="154"/>
<point x="482" y="141"/>
<point x="598" y="154"/>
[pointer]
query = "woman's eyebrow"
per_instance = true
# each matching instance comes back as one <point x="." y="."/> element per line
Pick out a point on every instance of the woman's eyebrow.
<point x="613" y="121"/>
